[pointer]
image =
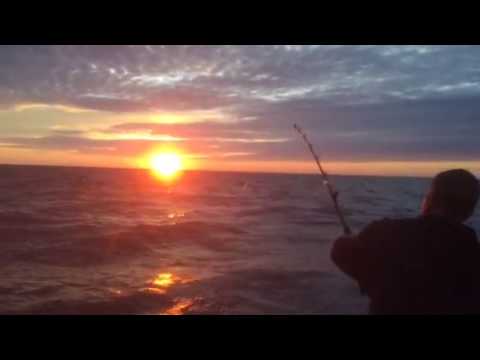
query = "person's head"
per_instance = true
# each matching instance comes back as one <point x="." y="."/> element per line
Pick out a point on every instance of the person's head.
<point x="453" y="194"/>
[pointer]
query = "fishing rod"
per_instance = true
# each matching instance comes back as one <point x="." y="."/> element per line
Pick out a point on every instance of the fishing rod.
<point x="326" y="181"/>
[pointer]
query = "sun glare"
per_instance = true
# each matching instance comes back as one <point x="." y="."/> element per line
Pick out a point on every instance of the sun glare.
<point x="166" y="165"/>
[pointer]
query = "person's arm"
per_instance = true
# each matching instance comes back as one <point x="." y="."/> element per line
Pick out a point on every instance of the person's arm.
<point x="345" y="254"/>
<point x="355" y="255"/>
<point x="472" y="273"/>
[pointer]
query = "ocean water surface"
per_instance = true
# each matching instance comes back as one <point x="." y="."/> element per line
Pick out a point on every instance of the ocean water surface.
<point x="118" y="241"/>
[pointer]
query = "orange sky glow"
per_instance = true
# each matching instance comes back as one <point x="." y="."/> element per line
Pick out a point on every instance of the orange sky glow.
<point x="204" y="155"/>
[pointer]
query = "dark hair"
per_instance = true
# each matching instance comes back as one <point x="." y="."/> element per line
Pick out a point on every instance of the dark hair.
<point x="457" y="192"/>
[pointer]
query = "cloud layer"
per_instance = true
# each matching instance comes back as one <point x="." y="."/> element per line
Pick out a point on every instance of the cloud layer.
<point x="357" y="102"/>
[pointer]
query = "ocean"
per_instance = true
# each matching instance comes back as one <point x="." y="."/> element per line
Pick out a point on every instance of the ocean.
<point x="118" y="241"/>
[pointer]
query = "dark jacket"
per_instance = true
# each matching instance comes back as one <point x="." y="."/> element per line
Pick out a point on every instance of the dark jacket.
<point x="425" y="265"/>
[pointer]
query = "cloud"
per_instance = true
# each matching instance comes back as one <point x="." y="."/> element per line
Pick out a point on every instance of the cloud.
<point x="204" y="129"/>
<point x="130" y="78"/>
<point x="357" y="102"/>
<point x="409" y="130"/>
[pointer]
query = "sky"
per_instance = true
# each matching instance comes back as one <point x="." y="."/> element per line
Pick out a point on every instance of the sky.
<point x="368" y="109"/>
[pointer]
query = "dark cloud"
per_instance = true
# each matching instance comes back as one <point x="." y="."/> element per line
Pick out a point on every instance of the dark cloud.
<point x="128" y="148"/>
<point x="410" y="130"/>
<point x="81" y="144"/>
<point x="206" y="129"/>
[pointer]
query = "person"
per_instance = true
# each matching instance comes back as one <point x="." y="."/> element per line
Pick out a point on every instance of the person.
<point x="424" y="265"/>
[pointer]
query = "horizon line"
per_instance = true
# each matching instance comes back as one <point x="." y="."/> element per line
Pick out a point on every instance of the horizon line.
<point x="217" y="171"/>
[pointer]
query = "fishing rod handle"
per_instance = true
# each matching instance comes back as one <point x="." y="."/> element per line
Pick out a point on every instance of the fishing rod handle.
<point x="343" y="222"/>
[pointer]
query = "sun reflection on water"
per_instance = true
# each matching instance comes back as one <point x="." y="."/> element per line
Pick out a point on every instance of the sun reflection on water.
<point x="154" y="290"/>
<point x="164" y="280"/>
<point x="115" y="291"/>
<point x="174" y="215"/>
<point x="180" y="307"/>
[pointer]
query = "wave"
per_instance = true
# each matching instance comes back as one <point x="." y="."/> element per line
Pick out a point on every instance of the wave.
<point x="138" y="303"/>
<point x="85" y="247"/>
<point x="253" y="291"/>
<point x="20" y="218"/>
<point x="69" y="235"/>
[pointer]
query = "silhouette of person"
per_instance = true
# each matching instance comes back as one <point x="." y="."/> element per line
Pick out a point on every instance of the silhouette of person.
<point x="424" y="265"/>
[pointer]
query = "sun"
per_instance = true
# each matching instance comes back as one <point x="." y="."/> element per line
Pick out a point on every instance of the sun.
<point x="166" y="165"/>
